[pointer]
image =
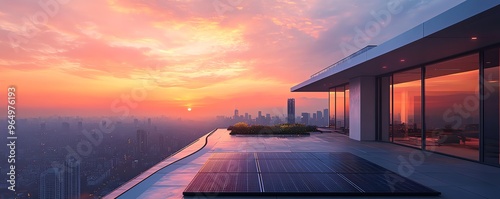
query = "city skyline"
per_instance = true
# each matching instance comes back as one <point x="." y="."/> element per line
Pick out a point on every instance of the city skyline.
<point x="191" y="59"/>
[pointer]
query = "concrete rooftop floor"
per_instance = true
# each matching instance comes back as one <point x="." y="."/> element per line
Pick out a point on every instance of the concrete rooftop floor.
<point x="453" y="177"/>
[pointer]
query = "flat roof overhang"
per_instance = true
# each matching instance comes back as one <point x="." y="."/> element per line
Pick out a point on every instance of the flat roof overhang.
<point x="448" y="34"/>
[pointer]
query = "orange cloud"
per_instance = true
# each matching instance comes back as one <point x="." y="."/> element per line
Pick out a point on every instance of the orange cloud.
<point x="212" y="56"/>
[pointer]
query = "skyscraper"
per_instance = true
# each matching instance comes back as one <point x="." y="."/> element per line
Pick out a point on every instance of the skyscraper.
<point x="51" y="186"/>
<point x="161" y="144"/>
<point x="314" y="119"/>
<point x="291" y="111"/>
<point x="326" y="117"/>
<point x="236" y="114"/>
<point x="71" y="175"/>
<point x="305" y="118"/>
<point x="142" y="142"/>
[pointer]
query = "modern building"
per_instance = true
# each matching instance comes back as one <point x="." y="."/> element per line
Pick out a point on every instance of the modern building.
<point x="51" y="184"/>
<point x="305" y="118"/>
<point x="236" y="114"/>
<point x="291" y="111"/>
<point x="71" y="183"/>
<point x="434" y="87"/>
<point x="319" y="121"/>
<point x="142" y="142"/>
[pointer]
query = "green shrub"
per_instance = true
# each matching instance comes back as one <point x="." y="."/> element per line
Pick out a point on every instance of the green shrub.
<point x="285" y="129"/>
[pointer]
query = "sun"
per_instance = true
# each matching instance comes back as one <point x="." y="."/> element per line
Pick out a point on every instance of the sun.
<point x="189" y="109"/>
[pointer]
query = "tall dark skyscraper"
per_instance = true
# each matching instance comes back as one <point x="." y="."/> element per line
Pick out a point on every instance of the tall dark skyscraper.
<point x="326" y="116"/>
<point x="291" y="110"/>
<point x="236" y="114"/>
<point x="142" y="142"/>
<point x="319" y="114"/>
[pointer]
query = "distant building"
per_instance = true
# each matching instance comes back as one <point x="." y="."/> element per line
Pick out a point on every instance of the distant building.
<point x="80" y="126"/>
<point x="142" y="142"/>
<point x="314" y="119"/>
<point x="161" y="144"/>
<point x="236" y="114"/>
<point x="65" y="127"/>
<point x="51" y="184"/>
<point x="319" y="120"/>
<point x="71" y="184"/>
<point x="43" y="128"/>
<point x="305" y="118"/>
<point x="326" y="117"/>
<point x="291" y="110"/>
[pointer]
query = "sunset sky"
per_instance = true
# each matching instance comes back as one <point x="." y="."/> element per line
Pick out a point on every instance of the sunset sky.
<point x="161" y="57"/>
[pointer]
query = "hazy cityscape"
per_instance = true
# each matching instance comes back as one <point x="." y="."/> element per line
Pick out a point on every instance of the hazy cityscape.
<point x="88" y="157"/>
<point x="104" y="160"/>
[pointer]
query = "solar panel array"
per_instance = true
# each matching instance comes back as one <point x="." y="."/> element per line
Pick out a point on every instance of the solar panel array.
<point x="298" y="174"/>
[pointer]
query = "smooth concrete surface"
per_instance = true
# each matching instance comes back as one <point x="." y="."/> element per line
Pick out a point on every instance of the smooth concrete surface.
<point x="362" y="108"/>
<point x="454" y="178"/>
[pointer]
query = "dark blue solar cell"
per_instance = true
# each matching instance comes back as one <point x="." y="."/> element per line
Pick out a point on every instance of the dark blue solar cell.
<point x="354" y="167"/>
<point x="216" y="183"/>
<point x="305" y="183"/>
<point x="285" y="155"/>
<point x="229" y="155"/>
<point x="338" y="157"/>
<point x="292" y="166"/>
<point x="227" y="165"/>
<point x="388" y="183"/>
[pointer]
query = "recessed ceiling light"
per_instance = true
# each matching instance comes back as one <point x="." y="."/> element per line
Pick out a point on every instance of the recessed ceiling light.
<point x="402" y="60"/>
<point x="473" y="38"/>
<point x="384" y="67"/>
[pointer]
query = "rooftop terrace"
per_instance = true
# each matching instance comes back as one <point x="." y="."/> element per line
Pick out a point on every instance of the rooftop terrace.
<point x="454" y="178"/>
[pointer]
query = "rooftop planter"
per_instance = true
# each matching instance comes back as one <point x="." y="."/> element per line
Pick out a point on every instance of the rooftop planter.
<point x="242" y="128"/>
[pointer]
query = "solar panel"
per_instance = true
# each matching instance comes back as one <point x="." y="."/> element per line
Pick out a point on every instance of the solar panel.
<point x="247" y="156"/>
<point x="340" y="156"/>
<point x="292" y="166"/>
<point x="319" y="183"/>
<point x="285" y="155"/>
<point x="291" y="174"/>
<point x="389" y="183"/>
<point x="221" y="183"/>
<point x="355" y="167"/>
<point x="228" y="165"/>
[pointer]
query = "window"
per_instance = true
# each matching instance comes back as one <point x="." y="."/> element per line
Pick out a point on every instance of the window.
<point x="491" y="96"/>
<point x="407" y="108"/>
<point x="452" y="107"/>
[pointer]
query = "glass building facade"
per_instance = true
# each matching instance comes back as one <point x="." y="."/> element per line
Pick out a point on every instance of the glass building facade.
<point x="450" y="106"/>
<point x="339" y="108"/>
